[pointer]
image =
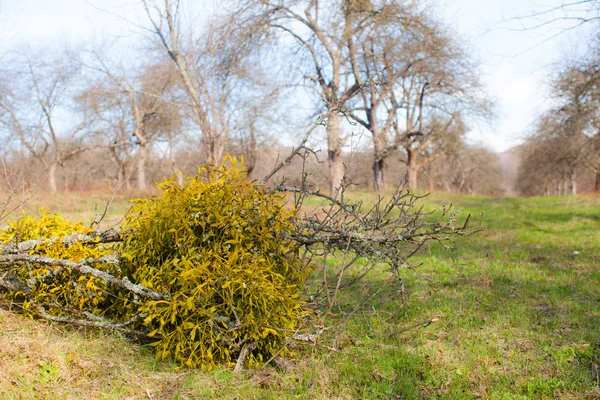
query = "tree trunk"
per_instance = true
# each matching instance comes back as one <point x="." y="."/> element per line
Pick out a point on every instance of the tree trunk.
<point x="334" y="151"/>
<point x="572" y="180"/>
<point x="597" y="183"/>
<point x="379" y="164"/>
<point x="251" y="152"/>
<point x="210" y="149"/>
<point x="122" y="178"/>
<point x="379" y="174"/>
<point x="430" y="182"/>
<point x="176" y="172"/>
<point x="412" y="169"/>
<point x="446" y="185"/>
<point x="141" y="168"/>
<point x="213" y="149"/>
<point x="52" y="177"/>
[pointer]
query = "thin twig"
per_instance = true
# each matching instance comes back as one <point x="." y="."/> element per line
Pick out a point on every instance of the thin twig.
<point x="416" y="325"/>
<point x="296" y="150"/>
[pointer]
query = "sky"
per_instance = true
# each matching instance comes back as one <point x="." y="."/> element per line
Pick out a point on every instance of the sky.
<point x="514" y="64"/>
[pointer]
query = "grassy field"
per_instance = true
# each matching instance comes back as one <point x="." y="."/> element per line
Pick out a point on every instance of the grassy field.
<point x="517" y="308"/>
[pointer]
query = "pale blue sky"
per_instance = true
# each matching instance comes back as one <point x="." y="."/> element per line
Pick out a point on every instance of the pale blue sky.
<point x="514" y="64"/>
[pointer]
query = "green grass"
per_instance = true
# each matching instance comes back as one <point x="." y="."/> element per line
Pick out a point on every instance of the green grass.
<point x="519" y="312"/>
<point x="518" y="318"/>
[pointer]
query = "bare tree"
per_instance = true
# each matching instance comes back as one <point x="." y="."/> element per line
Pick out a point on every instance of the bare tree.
<point x="566" y="138"/>
<point x="134" y="109"/>
<point x="466" y="169"/>
<point x="326" y="33"/>
<point x="112" y="120"/>
<point x="34" y="109"/>
<point x="417" y="85"/>
<point x="551" y="157"/>
<point x="253" y="125"/>
<point x="578" y="90"/>
<point x="208" y="63"/>
<point x="555" y="20"/>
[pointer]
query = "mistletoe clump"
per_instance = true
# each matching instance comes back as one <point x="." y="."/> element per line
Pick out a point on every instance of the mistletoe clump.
<point x="203" y="271"/>
<point x="217" y="246"/>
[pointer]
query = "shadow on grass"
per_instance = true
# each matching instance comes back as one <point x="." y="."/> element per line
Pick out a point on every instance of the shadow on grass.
<point x="516" y="318"/>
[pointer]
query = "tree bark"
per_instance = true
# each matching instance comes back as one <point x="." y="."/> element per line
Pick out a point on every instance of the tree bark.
<point x="213" y="149"/>
<point x="379" y="174"/>
<point x="572" y="180"/>
<point x="412" y="168"/>
<point x="430" y="182"/>
<point x="178" y="174"/>
<point x="52" y="177"/>
<point x="120" y="176"/>
<point x="251" y="152"/>
<point x="335" y="160"/>
<point x="379" y="164"/>
<point x="141" y="168"/>
<point x="122" y="179"/>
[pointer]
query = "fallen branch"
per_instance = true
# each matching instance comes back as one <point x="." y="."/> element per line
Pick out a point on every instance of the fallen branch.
<point x="296" y="150"/>
<point x="104" y="324"/>
<point x="308" y="337"/>
<point x="239" y="365"/>
<point x="13" y="283"/>
<point x="107" y="236"/>
<point x="84" y="268"/>
<point x="349" y="208"/>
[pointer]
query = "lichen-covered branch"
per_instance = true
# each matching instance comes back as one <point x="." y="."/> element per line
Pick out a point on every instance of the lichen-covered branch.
<point x="84" y="267"/>
<point x="106" y="236"/>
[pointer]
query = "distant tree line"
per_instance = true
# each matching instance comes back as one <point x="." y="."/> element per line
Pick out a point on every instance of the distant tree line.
<point x="98" y="116"/>
<point x="563" y="152"/>
<point x="561" y="155"/>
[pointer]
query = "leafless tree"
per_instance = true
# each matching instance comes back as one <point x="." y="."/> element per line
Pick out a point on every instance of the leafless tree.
<point x="551" y="158"/>
<point x="555" y="20"/>
<point x="566" y="138"/>
<point x="466" y="169"/>
<point x="417" y="84"/>
<point x="325" y="32"/>
<point x="134" y="109"/>
<point x="253" y="124"/>
<point x="578" y="88"/>
<point x="208" y="63"/>
<point x="38" y="109"/>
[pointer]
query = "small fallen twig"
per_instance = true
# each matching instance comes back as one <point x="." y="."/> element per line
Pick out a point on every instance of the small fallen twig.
<point x="239" y="365"/>
<point x="416" y="325"/>
<point x="149" y="395"/>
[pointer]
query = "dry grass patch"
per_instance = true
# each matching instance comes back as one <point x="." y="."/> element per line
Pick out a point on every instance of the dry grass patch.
<point x="41" y="360"/>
